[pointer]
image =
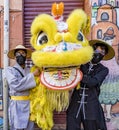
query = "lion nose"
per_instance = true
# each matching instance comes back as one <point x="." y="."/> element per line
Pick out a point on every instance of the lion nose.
<point x="63" y="37"/>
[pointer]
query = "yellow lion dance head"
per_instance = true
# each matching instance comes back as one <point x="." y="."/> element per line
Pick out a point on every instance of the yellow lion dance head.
<point x="60" y="49"/>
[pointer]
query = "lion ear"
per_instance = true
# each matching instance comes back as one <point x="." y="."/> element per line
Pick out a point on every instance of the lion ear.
<point x="77" y="21"/>
<point x="86" y="29"/>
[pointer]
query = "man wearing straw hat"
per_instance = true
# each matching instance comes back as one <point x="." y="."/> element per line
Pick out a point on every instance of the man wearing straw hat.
<point x="20" y="80"/>
<point x="85" y="107"/>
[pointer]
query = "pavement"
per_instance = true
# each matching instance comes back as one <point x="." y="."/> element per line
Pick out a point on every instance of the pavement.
<point x="56" y="127"/>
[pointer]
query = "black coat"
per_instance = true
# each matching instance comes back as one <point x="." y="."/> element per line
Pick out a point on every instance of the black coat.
<point x="91" y="82"/>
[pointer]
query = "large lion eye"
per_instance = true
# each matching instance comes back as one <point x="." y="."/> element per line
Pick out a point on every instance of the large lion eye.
<point x="80" y="36"/>
<point x="42" y="38"/>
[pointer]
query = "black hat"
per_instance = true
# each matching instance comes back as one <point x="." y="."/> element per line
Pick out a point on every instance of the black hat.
<point x="110" y="53"/>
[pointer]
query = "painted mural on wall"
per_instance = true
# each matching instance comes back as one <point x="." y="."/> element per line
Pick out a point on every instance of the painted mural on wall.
<point x="105" y="25"/>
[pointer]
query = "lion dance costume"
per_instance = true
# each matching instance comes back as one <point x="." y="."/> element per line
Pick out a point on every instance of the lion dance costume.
<point x="60" y="49"/>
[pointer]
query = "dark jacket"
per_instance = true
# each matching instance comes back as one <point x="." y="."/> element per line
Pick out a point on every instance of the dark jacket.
<point x="91" y="82"/>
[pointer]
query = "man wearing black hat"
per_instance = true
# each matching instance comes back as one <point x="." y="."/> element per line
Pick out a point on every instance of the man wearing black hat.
<point x="85" y="107"/>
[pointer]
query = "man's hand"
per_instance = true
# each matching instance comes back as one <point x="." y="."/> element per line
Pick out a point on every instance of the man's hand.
<point x="36" y="72"/>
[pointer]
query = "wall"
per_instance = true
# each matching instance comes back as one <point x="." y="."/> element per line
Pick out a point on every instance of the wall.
<point x="16" y="27"/>
<point x="14" y="4"/>
<point x="87" y="9"/>
<point x="105" y="26"/>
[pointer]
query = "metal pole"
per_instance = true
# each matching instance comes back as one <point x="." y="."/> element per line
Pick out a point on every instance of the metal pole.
<point x="6" y="48"/>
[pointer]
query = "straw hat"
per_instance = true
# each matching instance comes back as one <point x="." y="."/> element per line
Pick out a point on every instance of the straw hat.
<point x="18" y="47"/>
<point x="110" y="53"/>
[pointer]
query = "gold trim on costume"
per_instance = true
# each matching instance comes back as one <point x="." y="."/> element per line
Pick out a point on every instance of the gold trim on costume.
<point x="20" y="97"/>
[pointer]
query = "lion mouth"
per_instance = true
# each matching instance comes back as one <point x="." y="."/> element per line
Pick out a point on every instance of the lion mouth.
<point x="51" y="57"/>
<point x="62" y="46"/>
<point x="61" y="79"/>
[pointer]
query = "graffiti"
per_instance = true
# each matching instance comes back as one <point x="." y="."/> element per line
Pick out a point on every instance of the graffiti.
<point x="105" y="25"/>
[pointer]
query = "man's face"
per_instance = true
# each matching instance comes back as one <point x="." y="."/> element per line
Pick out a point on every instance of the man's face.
<point x="20" y="56"/>
<point x="20" y="52"/>
<point x="101" y="50"/>
<point x="99" y="53"/>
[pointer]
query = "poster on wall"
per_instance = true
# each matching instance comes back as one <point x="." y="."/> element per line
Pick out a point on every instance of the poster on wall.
<point x="105" y="26"/>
